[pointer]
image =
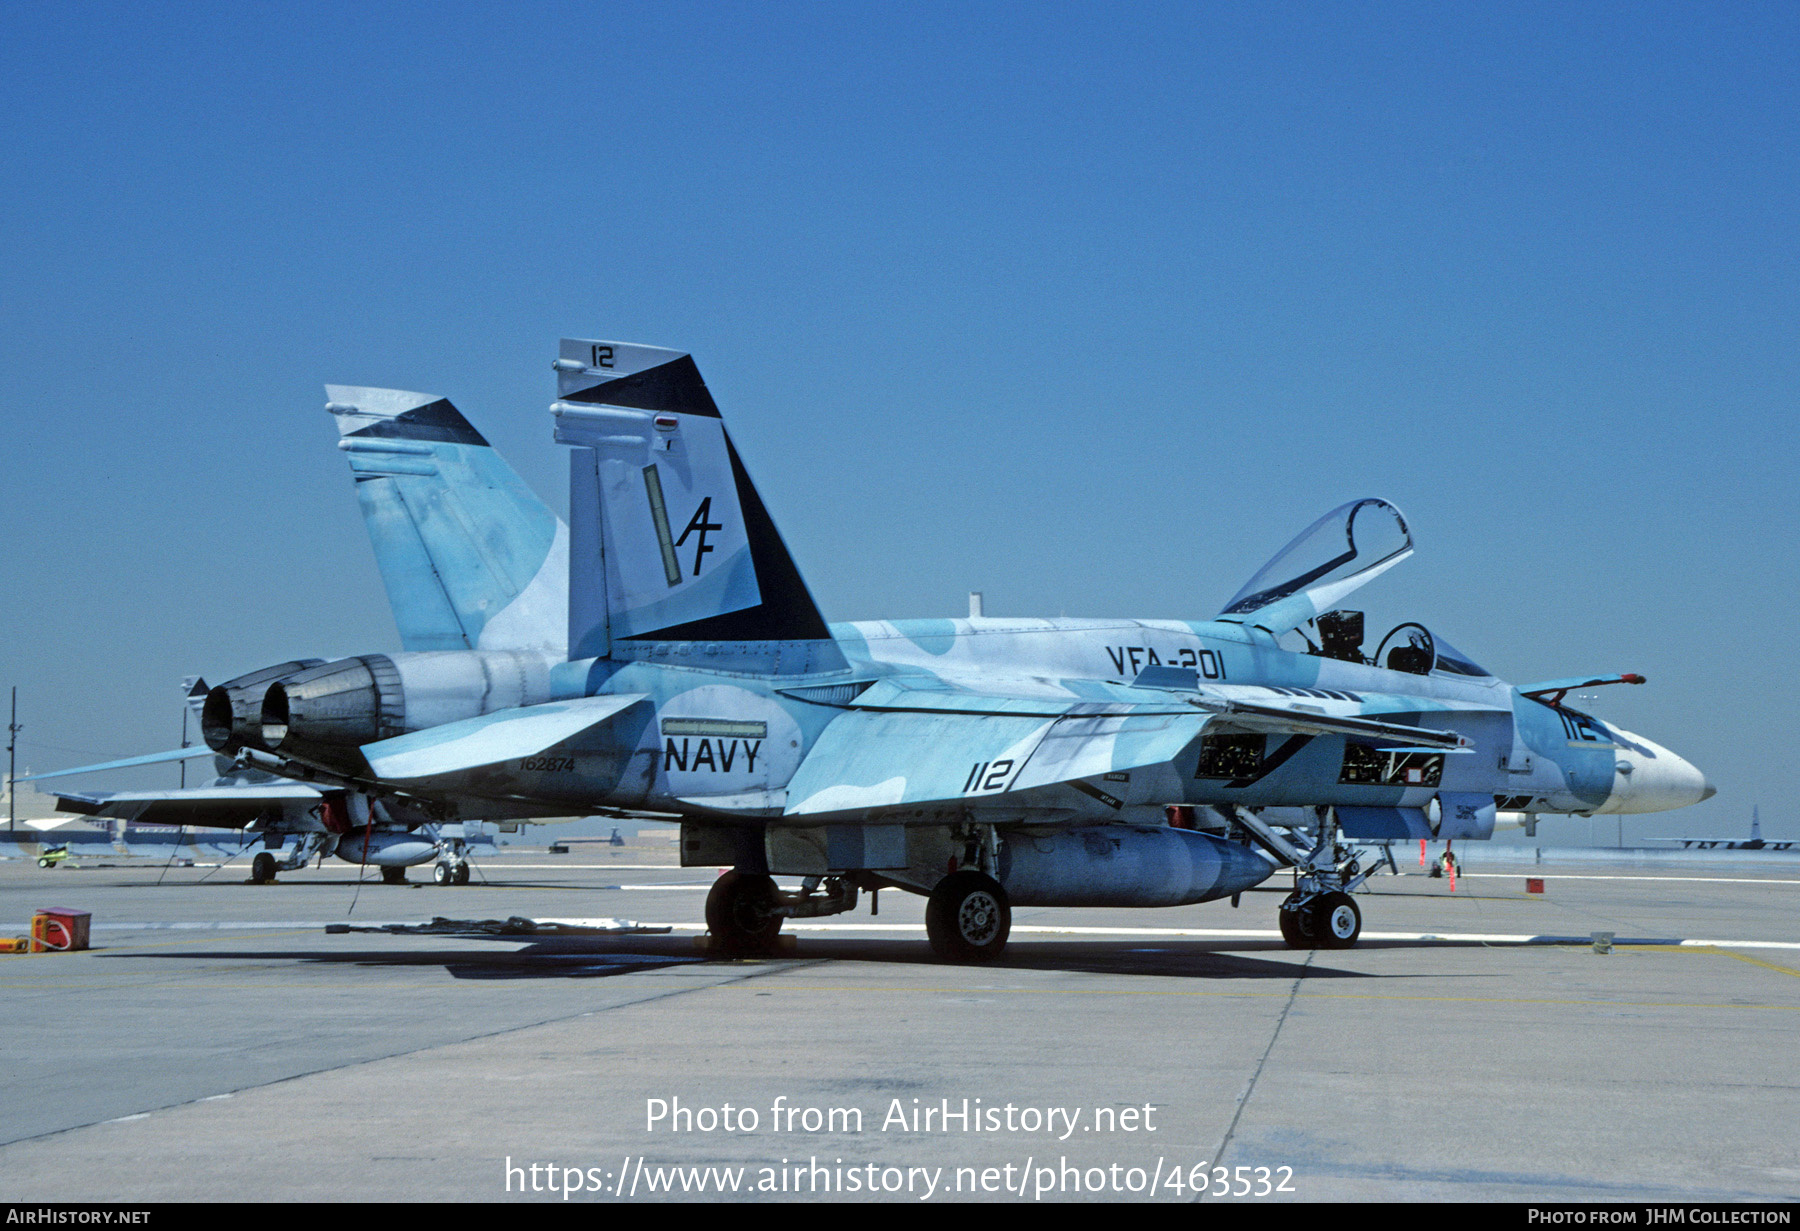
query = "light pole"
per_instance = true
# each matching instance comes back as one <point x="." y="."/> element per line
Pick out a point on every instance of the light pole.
<point x="12" y="748"/>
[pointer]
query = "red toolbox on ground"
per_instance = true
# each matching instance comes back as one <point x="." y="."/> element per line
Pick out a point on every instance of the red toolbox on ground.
<point x="59" y="928"/>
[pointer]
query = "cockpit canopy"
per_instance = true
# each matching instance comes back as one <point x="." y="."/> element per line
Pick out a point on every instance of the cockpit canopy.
<point x="1412" y="648"/>
<point x="1336" y="555"/>
<point x="1296" y="595"/>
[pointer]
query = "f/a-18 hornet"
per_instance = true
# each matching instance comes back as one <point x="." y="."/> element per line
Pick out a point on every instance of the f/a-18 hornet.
<point x="983" y="763"/>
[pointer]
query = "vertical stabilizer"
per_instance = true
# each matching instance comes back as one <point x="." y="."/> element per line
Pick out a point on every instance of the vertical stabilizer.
<point x="471" y="558"/>
<point x="669" y="540"/>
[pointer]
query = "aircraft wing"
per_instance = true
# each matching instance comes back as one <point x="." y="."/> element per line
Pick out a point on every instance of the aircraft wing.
<point x="1026" y="698"/>
<point x="932" y="746"/>
<point x="215" y="807"/>
<point x="882" y="759"/>
<point x="1285" y="720"/>
<point x="1150" y="695"/>
<point x="152" y="758"/>
<point x="1298" y="718"/>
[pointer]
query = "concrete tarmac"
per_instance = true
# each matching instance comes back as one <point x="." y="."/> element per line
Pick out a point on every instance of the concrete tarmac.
<point x="218" y="1044"/>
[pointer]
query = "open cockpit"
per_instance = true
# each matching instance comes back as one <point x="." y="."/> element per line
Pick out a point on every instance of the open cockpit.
<point x="1295" y="596"/>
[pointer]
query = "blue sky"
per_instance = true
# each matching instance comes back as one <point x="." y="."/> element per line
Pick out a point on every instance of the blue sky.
<point x="1089" y="307"/>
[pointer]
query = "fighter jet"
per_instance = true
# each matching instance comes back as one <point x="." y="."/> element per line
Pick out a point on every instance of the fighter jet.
<point x="981" y="763"/>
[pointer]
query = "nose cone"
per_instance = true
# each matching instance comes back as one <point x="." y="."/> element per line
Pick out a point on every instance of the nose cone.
<point x="1649" y="778"/>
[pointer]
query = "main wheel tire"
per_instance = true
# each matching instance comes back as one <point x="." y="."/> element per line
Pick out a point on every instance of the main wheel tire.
<point x="393" y="876"/>
<point x="1294" y="929"/>
<point x="738" y="913"/>
<point x="968" y="918"/>
<point x="443" y="874"/>
<point x="1335" y="919"/>
<point x="461" y="875"/>
<point x="262" y="868"/>
<point x="46" y="863"/>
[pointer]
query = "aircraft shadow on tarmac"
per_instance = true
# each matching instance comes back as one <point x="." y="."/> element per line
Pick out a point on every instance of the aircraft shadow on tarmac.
<point x="592" y="957"/>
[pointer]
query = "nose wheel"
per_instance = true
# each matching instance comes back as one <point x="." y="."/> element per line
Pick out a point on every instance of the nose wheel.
<point x="1321" y="921"/>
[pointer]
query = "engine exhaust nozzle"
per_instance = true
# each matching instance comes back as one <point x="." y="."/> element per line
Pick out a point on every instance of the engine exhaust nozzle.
<point x="337" y="704"/>
<point x="231" y="717"/>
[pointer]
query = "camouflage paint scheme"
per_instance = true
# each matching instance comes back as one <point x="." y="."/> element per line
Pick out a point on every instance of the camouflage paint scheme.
<point x="661" y="654"/>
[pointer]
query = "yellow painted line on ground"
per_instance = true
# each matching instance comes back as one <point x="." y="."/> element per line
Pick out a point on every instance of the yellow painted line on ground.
<point x="164" y="944"/>
<point x="1741" y="957"/>
<point x="297" y="986"/>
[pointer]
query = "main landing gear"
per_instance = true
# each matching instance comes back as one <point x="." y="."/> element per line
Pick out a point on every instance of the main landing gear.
<point x="740" y="913"/>
<point x="968" y="917"/>
<point x="266" y="863"/>
<point x="745" y="909"/>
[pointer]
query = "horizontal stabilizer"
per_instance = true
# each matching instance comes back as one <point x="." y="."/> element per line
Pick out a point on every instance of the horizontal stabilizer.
<point x="506" y="735"/>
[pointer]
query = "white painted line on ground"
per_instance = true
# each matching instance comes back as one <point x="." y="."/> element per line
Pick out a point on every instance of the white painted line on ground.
<point x="1588" y="876"/>
<point x="241" y="925"/>
<point x="288" y="925"/>
<point x="504" y="864"/>
<point x="1452" y="938"/>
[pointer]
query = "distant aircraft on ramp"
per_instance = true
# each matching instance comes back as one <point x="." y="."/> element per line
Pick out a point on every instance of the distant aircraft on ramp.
<point x="1755" y="842"/>
<point x="471" y="559"/>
